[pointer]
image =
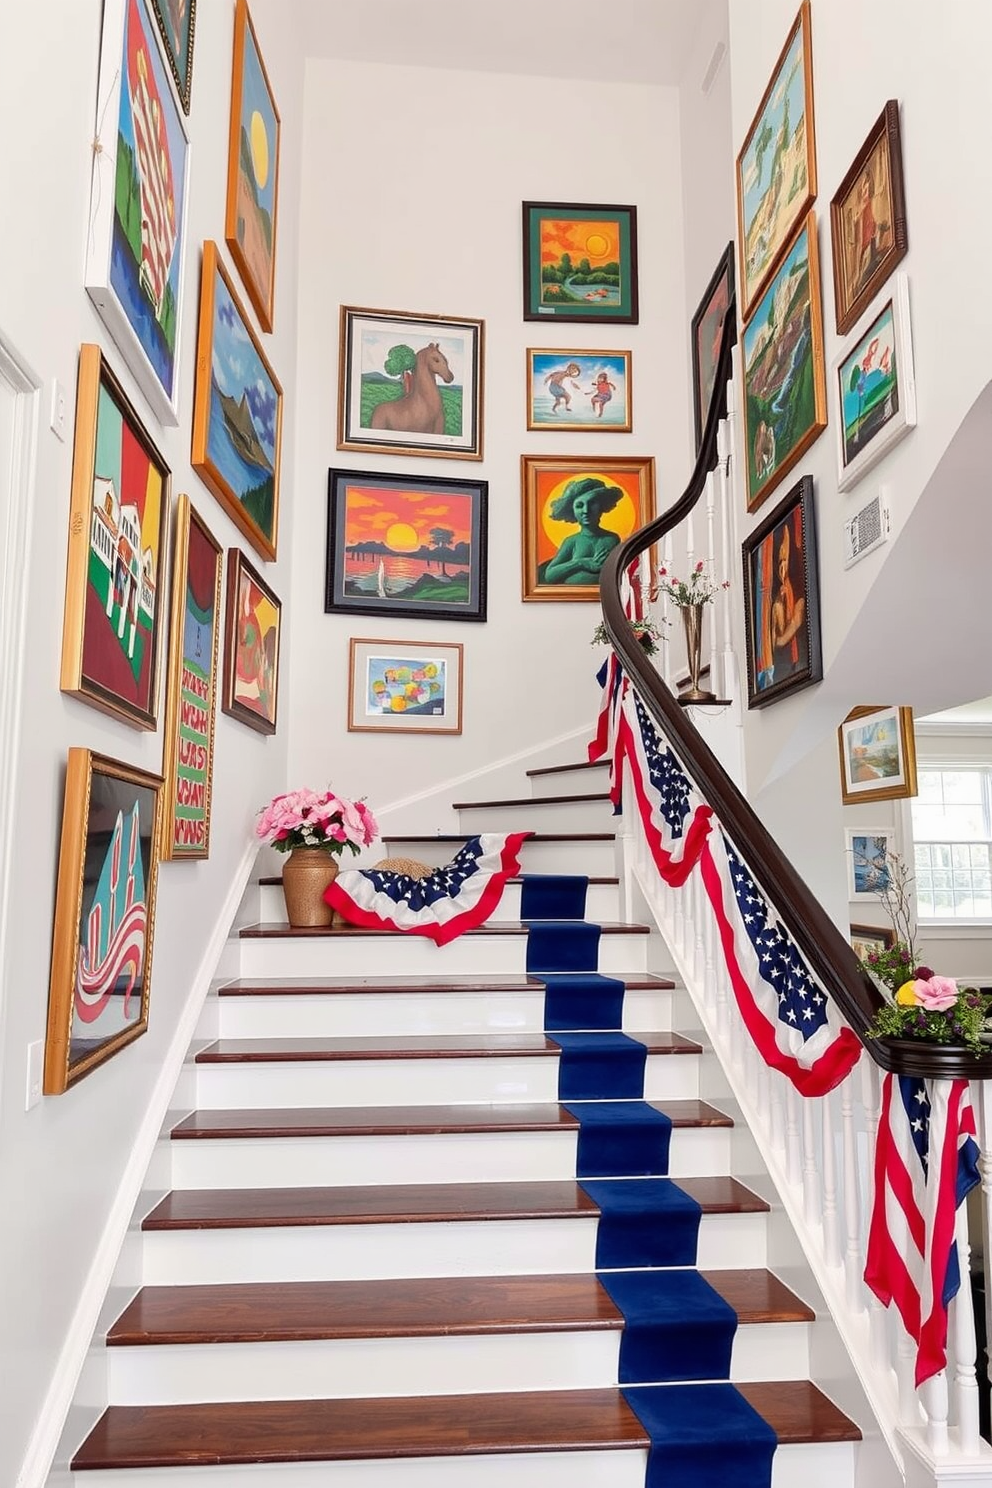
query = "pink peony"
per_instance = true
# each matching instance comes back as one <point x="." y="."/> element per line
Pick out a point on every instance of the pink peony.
<point x="936" y="995"/>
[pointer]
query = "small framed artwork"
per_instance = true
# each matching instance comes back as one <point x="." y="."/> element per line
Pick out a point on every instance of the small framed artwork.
<point x="868" y="938"/>
<point x="868" y="232"/>
<point x="252" y="633"/>
<point x="580" y="263"/>
<point x="576" y="510"/>
<point x="785" y="396"/>
<point x="707" y="332"/>
<point x="579" y="390"/>
<point x="782" y="600"/>
<point x="104" y="916"/>
<point x="776" y="168"/>
<point x="191" y="694"/>
<point x="404" y="687"/>
<point x="138" y="204"/>
<point x="113" y="591"/>
<point x="410" y="384"/>
<point x="406" y="545"/>
<point x="177" y="26"/>
<point x="877" y="754"/>
<point x="868" y="870"/>
<point x="237" y="411"/>
<point x="875" y="387"/>
<point x="252" y="170"/>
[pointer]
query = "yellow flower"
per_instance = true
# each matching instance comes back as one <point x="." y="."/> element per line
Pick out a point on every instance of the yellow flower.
<point x="906" y="996"/>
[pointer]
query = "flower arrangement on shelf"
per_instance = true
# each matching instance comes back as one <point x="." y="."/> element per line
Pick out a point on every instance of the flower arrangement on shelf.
<point x="699" y="588"/>
<point x="646" y="632"/>
<point x="304" y="818"/>
<point x="919" y="1004"/>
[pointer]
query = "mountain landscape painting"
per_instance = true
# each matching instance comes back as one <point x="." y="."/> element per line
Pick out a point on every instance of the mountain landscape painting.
<point x="253" y="170"/>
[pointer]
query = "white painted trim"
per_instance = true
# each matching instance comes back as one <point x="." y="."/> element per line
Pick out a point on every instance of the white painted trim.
<point x="979" y="728"/>
<point x="45" y="1438"/>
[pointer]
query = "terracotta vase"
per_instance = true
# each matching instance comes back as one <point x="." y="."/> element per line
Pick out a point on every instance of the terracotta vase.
<point x="692" y="620"/>
<point x="305" y="875"/>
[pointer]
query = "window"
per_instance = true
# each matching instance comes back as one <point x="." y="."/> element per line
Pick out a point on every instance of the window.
<point x="952" y="829"/>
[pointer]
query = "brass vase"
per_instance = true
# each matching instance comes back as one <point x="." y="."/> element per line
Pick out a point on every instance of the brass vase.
<point x="692" y="621"/>
<point x="305" y="875"/>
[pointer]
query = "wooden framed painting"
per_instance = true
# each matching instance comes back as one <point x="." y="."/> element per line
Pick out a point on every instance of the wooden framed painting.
<point x="191" y="694"/>
<point x="585" y="390"/>
<point x="866" y="939"/>
<point x="177" y="26"/>
<point x="404" y="687"/>
<point x="121" y="488"/>
<point x="877" y="754"/>
<point x="410" y="384"/>
<point x="252" y="634"/>
<point x="782" y="600"/>
<point x="868" y="868"/>
<point x="776" y="168"/>
<point x="576" y="510"/>
<point x="580" y="262"/>
<point x="785" y="398"/>
<point x="707" y="332"/>
<point x="875" y="387"/>
<point x="406" y="545"/>
<point x="252" y="170"/>
<point x="100" y="981"/>
<point x="138" y="204"/>
<point x="868" y="230"/>
<point x="237" y="411"/>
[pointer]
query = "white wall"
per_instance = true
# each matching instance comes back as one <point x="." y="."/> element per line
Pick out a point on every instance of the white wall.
<point x="63" y="1163"/>
<point x="412" y="187"/>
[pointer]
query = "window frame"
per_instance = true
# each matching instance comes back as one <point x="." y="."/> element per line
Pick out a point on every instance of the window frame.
<point x="944" y="762"/>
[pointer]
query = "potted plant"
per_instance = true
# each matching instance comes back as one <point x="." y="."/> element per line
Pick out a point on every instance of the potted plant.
<point x="314" y="830"/>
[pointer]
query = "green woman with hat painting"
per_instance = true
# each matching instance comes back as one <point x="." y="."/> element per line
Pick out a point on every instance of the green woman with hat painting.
<point x="585" y="500"/>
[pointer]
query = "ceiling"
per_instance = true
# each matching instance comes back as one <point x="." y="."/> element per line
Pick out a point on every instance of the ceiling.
<point x="633" y="41"/>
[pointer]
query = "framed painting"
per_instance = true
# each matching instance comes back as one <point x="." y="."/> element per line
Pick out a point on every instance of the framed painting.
<point x="877" y="755"/>
<point x="406" y="545"/>
<point x="120" y="497"/>
<point x="237" y="411"/>
<point x="868" y="871"/>
<point x="177" y="26"/>
<point x="404" y="687"/>
<point x="576" y="510"/>
<point x="785" y="398"/>
<point x="100" y="981"/>
<point x="875" y="387"/>
<point x="868" y="231"/>
<point x="580" y="263"/>
<point x="776" y="168"/>
<point x="138" y="205"/>
<point x="191" y="694"/>
<point x="252" y="633"/>
<point x="707" y="330"/>
<point x="868" y="938"/>
<point x="782" y="600"/>
<point x="587" y="390"/>
<point x="410" y="384"/>
<point x="252" y="170"/>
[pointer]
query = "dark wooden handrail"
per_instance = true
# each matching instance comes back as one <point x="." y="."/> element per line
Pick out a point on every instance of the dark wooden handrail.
<point x="829" y="956"/>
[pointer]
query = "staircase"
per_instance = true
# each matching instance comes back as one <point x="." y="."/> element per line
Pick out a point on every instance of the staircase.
<point x="375" y="1267"/>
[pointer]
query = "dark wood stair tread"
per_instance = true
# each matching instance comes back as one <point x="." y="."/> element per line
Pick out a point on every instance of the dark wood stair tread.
<point x="600" y="764"/>
<point x="534" y="837"/>
<point x="274" y="986"/>
<point x="239" y="1208"/>
<point x="269" y="928"/>
<point x="271" y="1312"/>
<point x="416" y="1426"/>
<point x="412" y="1046"/>
<point x="274" y="880"/>
<point x="392" y="1121"/>
<point x="524" y="801"/>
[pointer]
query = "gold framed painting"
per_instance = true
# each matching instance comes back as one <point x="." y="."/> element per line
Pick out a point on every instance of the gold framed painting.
<point x="576" y="510"/>
<point x="253" y="170"/>
<point x="191" y="693"/>
<point x="252" y="636"/>
<point x="585" y="390"/>
<point x="877" y="754"/>
<point x="868" y="232"/>
<point x="867" y="940"/>
<point x="100" y="981"/>
<point x="404" y="687"/>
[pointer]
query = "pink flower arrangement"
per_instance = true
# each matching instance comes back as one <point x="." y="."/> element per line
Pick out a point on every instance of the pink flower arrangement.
<point x="302" y="818"/>
<point x="935" y="993"/>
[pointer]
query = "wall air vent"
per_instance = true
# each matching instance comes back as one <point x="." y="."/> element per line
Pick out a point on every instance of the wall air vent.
<point x="867" y="529"/>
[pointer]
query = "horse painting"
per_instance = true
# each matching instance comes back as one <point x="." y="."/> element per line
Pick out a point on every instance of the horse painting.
<point x="419" y="409"/>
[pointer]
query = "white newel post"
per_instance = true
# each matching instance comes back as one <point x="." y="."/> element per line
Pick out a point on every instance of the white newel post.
<point x="963" y="1344"/>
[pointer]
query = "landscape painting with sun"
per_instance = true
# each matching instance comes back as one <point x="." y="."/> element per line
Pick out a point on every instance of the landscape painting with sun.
<point x="580" y="262"/>
<point x="398" y="545"/>
<point x="253" y="170"/>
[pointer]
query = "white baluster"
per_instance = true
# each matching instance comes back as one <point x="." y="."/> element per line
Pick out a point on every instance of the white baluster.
<point x="852" y="1201"/>
<point x="933" y="1395"/>
<point x="711" y="569"/>
<point x="981" y="1097"/>
<point x="778" y="1111"/>
<point x="910" y="1408"/>
<point x="667" y="626"/>
<point x="878" y="1333"/>
<point x="831" y="1219"/>
<point x="729" y="562"/>
<point x="793" y="1149"/>
<point x="812" y="1200"/>
<point x="962" y="1333"/>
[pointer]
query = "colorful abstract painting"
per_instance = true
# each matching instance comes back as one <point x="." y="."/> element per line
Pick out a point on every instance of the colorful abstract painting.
<point x="177" y="25"/>
<point x="251" y="650"/>
<point x="580" y="262"/>
<point x="253" y="170"/>
<point x="575" y="512"/>
<point x="579" y="390"/>
<point x="405" y="687"/>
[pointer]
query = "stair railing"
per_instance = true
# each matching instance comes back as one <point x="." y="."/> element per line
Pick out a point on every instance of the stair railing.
<point x="818" y="1150"/>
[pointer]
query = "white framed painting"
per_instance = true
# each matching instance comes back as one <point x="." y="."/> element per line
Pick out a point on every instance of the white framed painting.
<point x="875" y="385"/>
<point x="868" y="867"/>
<point x="136" y="239"/>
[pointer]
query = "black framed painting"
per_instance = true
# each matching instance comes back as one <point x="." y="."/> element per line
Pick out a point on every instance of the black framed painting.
<point x="782" y="600"/>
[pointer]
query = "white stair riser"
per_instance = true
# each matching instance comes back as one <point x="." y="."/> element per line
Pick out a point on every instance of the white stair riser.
<point x="415" y="955"/>
<point x="580" y="782"/>
<point x="570" y="816"/>
<point x="512" y="1247"/>
<point x="816" y="1465"/>
<point x="187" y="1374"/>
<point x="602" y="903"/>
<point x="345" y="1014"/>
<point x="412" y="1082"/>
<point x="597" y="859"/>
<point x="489" y="1157"/>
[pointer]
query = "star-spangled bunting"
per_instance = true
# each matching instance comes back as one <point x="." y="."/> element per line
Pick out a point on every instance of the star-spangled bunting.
<point x="675" y="818"/>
